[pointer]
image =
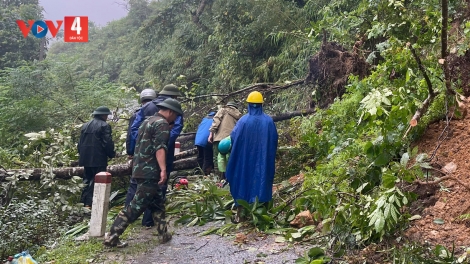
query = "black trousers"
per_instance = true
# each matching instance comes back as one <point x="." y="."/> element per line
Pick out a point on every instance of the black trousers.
<point x="89" y="181"/>
<point x="205" y="158"/>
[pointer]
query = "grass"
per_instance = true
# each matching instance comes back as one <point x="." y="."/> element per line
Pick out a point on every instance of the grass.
<point x="70" y="251"/>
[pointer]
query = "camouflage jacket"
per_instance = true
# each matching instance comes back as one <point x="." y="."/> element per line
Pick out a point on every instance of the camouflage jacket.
<point x="153" y="135"/>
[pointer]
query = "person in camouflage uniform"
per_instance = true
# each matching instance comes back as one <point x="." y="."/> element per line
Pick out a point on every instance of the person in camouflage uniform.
<point x="149" y="170"/>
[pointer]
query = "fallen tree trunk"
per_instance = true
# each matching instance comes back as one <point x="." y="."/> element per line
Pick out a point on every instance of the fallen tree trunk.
<point x="183" y="139"/>
<point x="289" y="115"/>
<point x="185" y="154"/>
<point x="117" y="170"/>
<point x="280" y="117"/>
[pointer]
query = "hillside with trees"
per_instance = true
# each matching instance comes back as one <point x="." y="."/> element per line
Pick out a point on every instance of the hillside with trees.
<point x="360" y="86"/>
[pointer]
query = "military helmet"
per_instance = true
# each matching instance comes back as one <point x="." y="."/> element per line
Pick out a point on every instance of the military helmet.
<point x="255" y="98"/>
<point x="231" y="103"/>
<point x="148" y="94"/>
<point x="172" y="104"/>
<point x="170" y="89"/>
<point x="102" y="110"/>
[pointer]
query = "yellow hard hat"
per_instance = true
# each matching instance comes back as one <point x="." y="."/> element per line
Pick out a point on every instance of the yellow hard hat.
<point x="255" y="98"/>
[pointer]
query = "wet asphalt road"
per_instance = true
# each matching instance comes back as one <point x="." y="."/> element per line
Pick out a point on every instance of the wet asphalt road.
<point x="187" y="246"/>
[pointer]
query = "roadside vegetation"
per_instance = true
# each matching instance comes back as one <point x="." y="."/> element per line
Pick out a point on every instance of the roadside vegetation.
<point x="368" y="68"/>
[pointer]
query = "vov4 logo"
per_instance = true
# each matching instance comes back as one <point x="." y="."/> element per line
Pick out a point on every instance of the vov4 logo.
<point x="75" y="28"/>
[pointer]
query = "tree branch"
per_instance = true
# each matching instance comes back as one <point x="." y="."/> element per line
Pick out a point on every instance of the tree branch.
<point x="423" y="71"/>
<point x="444" y="52"/>
<point x="195" y="15"/>
<point x="260" y="86"/>
<point x="417" y="116"/>
<point x="448" y="177"/>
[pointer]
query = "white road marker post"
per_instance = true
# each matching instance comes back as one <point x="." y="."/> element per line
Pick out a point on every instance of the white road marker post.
<point x="177" y="147"/>
<point x="99" y="209"/>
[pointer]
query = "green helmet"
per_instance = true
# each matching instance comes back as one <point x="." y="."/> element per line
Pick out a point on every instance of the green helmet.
<point x="148" y="94"/>
<point x="231" y="103"/>
<point x="170" y="89"/>
<point x="172" y="104"/>
<point x="102" y="110"/>
<point x="225" y="145"/>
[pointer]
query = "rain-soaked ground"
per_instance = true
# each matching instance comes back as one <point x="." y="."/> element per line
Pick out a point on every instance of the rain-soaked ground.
<point x="188" y="246"/>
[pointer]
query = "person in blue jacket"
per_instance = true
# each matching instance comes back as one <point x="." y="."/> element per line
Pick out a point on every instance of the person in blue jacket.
<point x="250" y="169"/>
<point x="204" y="148"/>
<point x="149" y="109"/>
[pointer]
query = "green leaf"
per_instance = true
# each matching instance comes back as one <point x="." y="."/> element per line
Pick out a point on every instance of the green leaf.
<point x="382" y="159"/>
<point x="414" y="151"/>
<point x="296" y="235"/>
<point x="380" y="202"/>
<point x="373" y="217"/>
<point x="316" y="252"/>
<point x="404" y="159"/>
<point x="394" y="213"/>
<point x="405" y="200"/>
<point x="425" y="165"/>
<point x="244" y="203"/>
<point x="379" y="224"/>
<point x="192" y="223"/>
<point x="358" y="190"/>
<point x="388" y="179"/>
<point x="438" y="221"/>
<point x="280" y="239"/>
<point x="302" y="260"/>
<point x="414" y="217"/>
<point x="421" y="157"/>
<point x="387" y="210"/>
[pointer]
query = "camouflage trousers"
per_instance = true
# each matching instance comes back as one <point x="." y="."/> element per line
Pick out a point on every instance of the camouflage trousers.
<point x="148" y="196"/>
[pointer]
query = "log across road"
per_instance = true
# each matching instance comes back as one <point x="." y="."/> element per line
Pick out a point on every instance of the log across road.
<point x="182" y="162"/>
<point x="65" y="173"/>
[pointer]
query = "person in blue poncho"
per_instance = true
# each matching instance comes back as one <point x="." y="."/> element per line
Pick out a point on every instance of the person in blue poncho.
<point x="250" y="169"/>
<point x="204" y="148"/>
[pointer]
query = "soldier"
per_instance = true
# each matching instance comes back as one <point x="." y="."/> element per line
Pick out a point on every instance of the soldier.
<point x="95" y="147"/>
<point x="222" y="124"/>
<point x="146" y="96"/>
<point x="149" y="170"/>
<point x="168" y="91"/>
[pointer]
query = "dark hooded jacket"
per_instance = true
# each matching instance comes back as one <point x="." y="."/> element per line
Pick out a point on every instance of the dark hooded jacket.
<point x="96" y="144"/>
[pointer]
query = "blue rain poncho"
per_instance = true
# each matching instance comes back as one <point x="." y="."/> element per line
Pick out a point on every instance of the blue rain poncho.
<point x="202" y="133"/>
<point x="250" y="169"/>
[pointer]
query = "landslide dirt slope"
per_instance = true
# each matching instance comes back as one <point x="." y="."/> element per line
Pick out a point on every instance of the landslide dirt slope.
<point x="446" y="200"/>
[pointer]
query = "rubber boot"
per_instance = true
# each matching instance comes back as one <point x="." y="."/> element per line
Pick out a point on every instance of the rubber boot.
<point x="119" y="226"/>
<point x="162" y="227"/>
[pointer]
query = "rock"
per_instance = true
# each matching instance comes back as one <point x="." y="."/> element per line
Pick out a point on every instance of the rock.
<point x="240" y="238"/>
<point x="439" y="205"/>
<point x="450" y="167"/>
<point x="302" y="219"/>
<point x="296" y="179"/>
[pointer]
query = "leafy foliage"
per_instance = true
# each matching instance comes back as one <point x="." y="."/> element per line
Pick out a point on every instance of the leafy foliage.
<point x="14" y="49"/>
<point x="26" y="224"/>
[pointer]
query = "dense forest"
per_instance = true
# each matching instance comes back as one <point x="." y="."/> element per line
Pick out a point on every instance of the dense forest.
<point x="371" y="74"/>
